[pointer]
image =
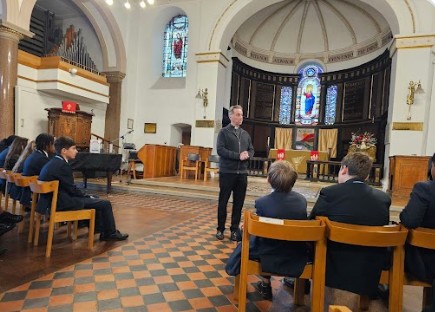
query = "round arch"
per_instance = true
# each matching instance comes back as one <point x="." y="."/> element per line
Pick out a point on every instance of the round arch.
<point x="399" y="15"/>
<point x="16" y="14"/>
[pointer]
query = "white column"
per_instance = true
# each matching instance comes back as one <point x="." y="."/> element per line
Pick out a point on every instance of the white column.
<point x="212" y="67"/>
<point x="411" y="61"/>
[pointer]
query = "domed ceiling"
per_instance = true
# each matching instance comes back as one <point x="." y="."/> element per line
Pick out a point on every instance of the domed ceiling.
<point x="328" y="30"/>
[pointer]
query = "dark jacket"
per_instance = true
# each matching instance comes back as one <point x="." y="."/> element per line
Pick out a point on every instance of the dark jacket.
<point x="32" y="167"/>
<point x="3" y="155"/>
<point x="281" y="257"/>
<point x="420" y="212"/>
<point x="354" y="268"/>
<point x="229" y="145"/>
<point x="69" y="197"/>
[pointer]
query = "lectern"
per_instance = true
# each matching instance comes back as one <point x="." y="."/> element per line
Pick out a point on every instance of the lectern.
<point x="405" y="171"/>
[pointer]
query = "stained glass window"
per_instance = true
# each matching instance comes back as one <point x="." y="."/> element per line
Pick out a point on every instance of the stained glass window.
<point x="175" y="47"/>
<point x="308" y="95"/>
<point x="285" y="107"/>
<point x="331" y="105"/>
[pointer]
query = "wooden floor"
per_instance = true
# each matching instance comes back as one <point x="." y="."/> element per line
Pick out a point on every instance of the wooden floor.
<point x="177" y="233"/>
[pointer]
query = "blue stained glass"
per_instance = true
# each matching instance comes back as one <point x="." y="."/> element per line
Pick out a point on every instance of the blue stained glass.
<point x="331" y="105"/>
<point x="308" y="95"/>
<point x="285" y="105"/>
<point x="175" y="47"/>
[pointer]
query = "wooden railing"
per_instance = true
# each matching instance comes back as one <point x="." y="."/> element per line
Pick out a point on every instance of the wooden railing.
<point x="259" y="166"/>
<point x="327" y="171"/>
<point x="106" y="143"/>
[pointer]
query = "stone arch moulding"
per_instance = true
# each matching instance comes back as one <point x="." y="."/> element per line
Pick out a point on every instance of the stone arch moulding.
<point x="108" y="33"/>
<point x="398" y="14"/>
<point x="16" y="14"/>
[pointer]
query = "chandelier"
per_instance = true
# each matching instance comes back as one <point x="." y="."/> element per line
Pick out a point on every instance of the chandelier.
<point x="127" y="4"/>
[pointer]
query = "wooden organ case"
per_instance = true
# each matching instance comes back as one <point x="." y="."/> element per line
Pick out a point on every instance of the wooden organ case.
<point x="74" y="125"/>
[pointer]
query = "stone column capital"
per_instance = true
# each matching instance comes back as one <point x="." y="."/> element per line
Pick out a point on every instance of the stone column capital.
<point x="114" y="76"/>
<point x="10" y="34"/>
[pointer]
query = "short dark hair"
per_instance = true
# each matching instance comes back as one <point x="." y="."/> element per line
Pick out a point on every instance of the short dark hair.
<point x="282" y="176"/>
<point x="232" y="108"/>
<point x="358" y="165"/>
<point x="63" y="142"/>
<point x="43" y="141"/>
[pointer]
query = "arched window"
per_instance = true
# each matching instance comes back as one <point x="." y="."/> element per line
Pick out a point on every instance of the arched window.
<point x="285" y="107"/>
<point x="331" y="105"/>
<point x="175" y="47"/>
<point x="308" y="95"/>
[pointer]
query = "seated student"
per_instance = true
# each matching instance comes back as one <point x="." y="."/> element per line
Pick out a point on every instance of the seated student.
<point x="14" y="190"/>
<point x="420" y="212"/>
<point x="354" y="268"/>
<point x="280" y="257"/>
<point x="5" y="148"/>
<point x="13" y="153"/>
<point x="33" y="164"/>
<point x="70" y="197"/>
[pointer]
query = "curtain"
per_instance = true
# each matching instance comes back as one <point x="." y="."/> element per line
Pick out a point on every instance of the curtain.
<point x="328" y="140"/>
<point x="283" y="138"/>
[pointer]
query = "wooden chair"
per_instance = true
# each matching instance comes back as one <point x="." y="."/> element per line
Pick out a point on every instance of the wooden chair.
<point x="23" y="182"/>
<point x="191" y="163"/>
<point x="1" y="193"/>
<point x="10" y="179"/>
<point x="291" y="230"/>
<point x="3" y="176"/>
<point x="211" y="160"/>
<point x="334" y="308"/>
<point x="40" y="187"/>
<point x="424" y="238"/>
<point x="393" y="236"/>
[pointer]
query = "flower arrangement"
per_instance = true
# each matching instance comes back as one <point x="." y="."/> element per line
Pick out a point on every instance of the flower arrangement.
<point x="363" y="140"/>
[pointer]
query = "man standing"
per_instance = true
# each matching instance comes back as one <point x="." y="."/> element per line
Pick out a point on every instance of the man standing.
<point x="234" y="147"/>
<point x="354" y="268"/>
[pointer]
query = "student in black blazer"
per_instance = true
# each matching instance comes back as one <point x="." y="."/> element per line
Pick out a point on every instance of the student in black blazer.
<point x="70" y="197"/>
<point x="420" y="212"/>
<point x="280" y="257"/>
<point x="33" y="164"/>
<point x="354" y="268"/>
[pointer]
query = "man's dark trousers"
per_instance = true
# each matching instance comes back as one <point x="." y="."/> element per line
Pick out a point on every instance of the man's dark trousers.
<point x="104" y="220"/>
<point x="236" y="183"/>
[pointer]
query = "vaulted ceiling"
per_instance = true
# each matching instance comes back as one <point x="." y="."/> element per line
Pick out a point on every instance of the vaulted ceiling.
<point x="327" y="30"/>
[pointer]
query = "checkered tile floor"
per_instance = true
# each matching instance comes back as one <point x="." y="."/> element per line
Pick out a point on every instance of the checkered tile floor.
<point x="180" y="268"/>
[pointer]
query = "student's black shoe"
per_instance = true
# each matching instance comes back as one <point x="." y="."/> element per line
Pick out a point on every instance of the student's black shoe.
<point x="264" y="289"/>
<point x="117" y="236"/>
<point x="236" y="236"/>
<point x="7" y="217"/>
<point x="220" y="235"/>
<point x="4" y="227"/>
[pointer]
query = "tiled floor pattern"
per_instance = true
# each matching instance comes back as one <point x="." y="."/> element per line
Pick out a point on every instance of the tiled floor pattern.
<point x="180" y="268"/>
<point x="177" y="268"/>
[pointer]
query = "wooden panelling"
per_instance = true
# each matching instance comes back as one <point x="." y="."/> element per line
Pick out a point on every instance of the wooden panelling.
<point x="405" y="171"/>
<point x="158" y="160"/>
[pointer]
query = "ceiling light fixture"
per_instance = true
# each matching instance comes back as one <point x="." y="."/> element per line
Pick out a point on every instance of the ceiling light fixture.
<point x="129" y="3"/>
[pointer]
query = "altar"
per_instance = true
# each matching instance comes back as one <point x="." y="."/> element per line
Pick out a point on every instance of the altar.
<point x="299" y="158"/>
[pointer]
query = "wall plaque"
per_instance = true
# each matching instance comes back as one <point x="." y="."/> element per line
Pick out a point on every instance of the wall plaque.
<point x="150" y="128"/>
<point x="353" y="108"/>
<point x="204" y="124"/>
<point x="412" y="126"/>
